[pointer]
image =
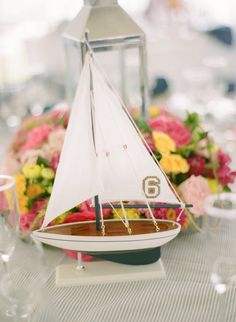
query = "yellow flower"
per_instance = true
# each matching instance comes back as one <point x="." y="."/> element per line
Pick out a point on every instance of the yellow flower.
<point x="34" y="190"/>
<point x="180" y="164"/>
<point x="48" y="173"/>
<point x="49" y="189"/>
<point x="20" y="183"/>
<point x="171" y="214"/>
<point x="214" y="185"/>
<point x="163" y="142"/>
<point x="130" y="213"/>
<point x="153" y="111"/>
<point x="20" y="190"/>
<point x="60" y="219"/>
<point x="174" y="163"/>
<point x="32" y="171"/>
<point x="23" y="203"/>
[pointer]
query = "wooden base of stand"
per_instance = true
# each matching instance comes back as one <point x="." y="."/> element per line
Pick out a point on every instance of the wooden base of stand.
<point x="100" y="272"/>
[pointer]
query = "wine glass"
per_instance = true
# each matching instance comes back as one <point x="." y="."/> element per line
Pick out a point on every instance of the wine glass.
<point x="22" y="284"/>
<point x="220" y="241"/>
<point x="8" y="217"/>
<point x="220" y="226"/>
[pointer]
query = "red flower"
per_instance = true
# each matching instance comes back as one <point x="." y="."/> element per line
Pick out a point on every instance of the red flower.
<point x="223" y="158"/>
<point x="39" y="204"/>
<point x="80" y="216"/>
<point x="197" y="165"/>
<point x="87" y="206"/>
<point x="149" y="140"/>
<point x="73" y="254"/>
<point x="225" y="175"/>
<point x="55" y="161"/>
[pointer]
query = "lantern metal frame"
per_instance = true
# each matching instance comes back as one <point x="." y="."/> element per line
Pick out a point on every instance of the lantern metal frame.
<point x="109" y="28"/>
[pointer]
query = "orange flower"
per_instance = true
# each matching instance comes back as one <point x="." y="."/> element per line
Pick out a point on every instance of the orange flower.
<point x="23" y="203"/>
<point x="34" y="190"/>
<point x="171" y="214"/>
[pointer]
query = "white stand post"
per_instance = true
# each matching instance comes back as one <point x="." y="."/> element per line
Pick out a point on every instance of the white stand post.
<point x="80" y="266"/>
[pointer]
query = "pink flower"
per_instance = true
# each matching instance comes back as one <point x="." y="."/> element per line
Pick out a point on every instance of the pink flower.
<point x="31" y="156"/>
<point x="194" y="190"/>
<point x="10" y="165"/>
<point x="36" y="137"/>
<point x="174" y="128"/>
<point x="159" y="124"/>
<point x="26" y="220"/>
<point x="202" y="148"/>
<point x="56" y="139"/>
<point x="179" y="133"/>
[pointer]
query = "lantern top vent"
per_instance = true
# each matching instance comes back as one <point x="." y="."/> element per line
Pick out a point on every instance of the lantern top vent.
<point x="106" y="22"/>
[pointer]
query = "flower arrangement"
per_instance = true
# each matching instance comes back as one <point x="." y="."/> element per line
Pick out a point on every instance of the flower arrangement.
<point x="187" y="154"/>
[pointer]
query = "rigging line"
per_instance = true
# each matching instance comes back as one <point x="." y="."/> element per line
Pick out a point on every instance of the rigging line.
<point x="136" y="128"/>
<point x="126" y="219"/>
<point x="116" y="212"/>
<point x="126" y="223"/>
<point x="133" y="169"/>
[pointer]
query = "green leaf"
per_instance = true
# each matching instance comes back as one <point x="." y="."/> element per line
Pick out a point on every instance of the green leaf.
<point x="33" y="199"/>
<point x="227" y="189"/>
<point x="192" y="120"/>
<point x="143" y="126"/>
<point x="203" y="135"/>
<point x="42" y="161"/>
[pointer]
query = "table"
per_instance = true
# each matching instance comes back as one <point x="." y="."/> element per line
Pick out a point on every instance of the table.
<point x="185" y="295"/>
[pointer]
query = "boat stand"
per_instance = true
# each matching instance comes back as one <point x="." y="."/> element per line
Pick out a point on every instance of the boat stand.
<point x="101" y="272"/>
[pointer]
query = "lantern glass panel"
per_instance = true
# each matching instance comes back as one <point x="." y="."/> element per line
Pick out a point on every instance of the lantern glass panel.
<point x="121" y="65"/>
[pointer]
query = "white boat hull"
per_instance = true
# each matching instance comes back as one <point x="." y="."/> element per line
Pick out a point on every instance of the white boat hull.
<point x="107" y="244"/>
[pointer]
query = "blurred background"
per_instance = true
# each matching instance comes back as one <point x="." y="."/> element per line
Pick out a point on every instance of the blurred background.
<point x="191" y="56"/>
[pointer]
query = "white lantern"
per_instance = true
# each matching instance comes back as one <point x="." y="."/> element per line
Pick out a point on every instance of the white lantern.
<point x="119" y="44"/>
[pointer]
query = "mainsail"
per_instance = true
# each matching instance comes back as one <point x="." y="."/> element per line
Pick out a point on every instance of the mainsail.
<point x="103" y="154"/>
<point x="75" y="179"/>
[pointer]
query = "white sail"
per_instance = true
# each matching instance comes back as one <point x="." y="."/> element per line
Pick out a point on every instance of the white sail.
<point x="127" y="169"/>
<point x="75" y="180"/>
<point x="113" y="164"/>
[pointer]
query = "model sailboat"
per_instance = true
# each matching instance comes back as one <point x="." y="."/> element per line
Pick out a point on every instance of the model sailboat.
<point x="104" y="157"/>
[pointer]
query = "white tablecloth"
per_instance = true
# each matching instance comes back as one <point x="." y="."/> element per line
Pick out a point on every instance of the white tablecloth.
<point x="186" y="294"/>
